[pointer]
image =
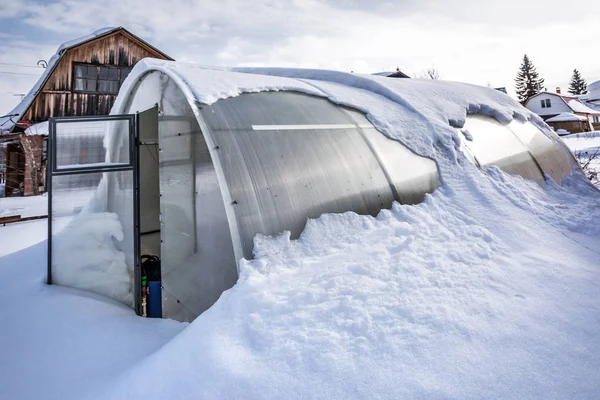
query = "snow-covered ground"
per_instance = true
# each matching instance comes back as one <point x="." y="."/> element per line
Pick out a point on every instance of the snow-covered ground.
<point x="61" y="343"/>
<point x="586" y="147"/>
<point x="487" y="289"/>
<point x="30" y="206"/>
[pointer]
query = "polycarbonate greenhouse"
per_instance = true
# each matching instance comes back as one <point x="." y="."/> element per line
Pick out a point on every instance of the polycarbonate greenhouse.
<point x="195" y="162"/>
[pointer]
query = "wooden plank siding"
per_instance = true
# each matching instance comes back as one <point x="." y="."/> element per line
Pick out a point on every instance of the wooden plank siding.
<point x="57" y="99"/>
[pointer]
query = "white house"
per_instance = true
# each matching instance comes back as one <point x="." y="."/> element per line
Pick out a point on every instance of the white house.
<point x="577" y="113"/>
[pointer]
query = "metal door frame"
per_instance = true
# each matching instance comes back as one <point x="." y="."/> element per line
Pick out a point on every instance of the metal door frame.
<point x="133" y="166"/>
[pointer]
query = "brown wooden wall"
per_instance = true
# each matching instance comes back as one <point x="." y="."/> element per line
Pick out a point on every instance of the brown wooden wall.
<point x="57" y="99"/>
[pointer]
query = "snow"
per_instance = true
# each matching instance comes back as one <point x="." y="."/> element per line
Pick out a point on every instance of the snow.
<point x="582" y="141"/>
<point x="86" y="257"/>
<point x="448" y="103"/>
<point x="7" y="123"/>
<point x="586" y="147"/>
<point x="61" y="343"/>
<point x="579" y="107"/>
<point x="487" y="289"/>
<point x="565" y="117"/>
<point x="594" y="90"/>
<point x="31" y="206"/>
<point x="38" y="129"/>
<point x="384" y="73"/>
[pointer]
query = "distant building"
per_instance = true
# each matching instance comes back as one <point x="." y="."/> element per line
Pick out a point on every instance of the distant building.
<point x="392" y="74"/>
<point x="83" y="78"/>
<point x="571" y="113"/>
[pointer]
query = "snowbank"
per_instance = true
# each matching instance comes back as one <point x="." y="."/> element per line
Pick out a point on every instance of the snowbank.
<point x="429" y="301"/>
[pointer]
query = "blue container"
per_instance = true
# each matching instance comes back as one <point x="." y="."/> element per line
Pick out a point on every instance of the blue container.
<point x="154" y="300"/>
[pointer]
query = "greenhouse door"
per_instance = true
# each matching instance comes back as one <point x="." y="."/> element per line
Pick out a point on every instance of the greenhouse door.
<point x="93" y="206"/>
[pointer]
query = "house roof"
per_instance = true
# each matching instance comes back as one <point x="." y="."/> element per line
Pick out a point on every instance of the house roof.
<point x="594" y="91"/>
<point x="566" y="117"/>
<point x="392" y="74"/>
<point x="9" y="121"/>
<point x="576" y="104"/>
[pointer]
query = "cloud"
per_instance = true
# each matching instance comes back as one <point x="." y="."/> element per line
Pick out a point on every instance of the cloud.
<point x="467" y="40"/>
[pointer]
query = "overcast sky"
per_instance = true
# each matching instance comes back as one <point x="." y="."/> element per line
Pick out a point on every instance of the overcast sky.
<point x="475" y="41"/>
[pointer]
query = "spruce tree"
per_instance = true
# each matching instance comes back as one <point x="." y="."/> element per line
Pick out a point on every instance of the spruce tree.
<point x="578" y="85"/>
<point x="528" y="81"/>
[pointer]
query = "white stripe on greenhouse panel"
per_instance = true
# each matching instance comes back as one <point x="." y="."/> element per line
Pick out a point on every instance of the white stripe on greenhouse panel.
<point x="307" y="127"/>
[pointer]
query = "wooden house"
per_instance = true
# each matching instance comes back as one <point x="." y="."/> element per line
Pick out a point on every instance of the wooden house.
<point x="83" y="78"/>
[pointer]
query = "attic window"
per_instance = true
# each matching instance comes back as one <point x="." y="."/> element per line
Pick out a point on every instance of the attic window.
<point x="546" y="103"/>
<point x="98" y="78"/>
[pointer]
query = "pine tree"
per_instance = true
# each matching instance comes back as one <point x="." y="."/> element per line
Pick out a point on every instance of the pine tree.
<point x="528" y="81"/>
<point x="578" y="85"/>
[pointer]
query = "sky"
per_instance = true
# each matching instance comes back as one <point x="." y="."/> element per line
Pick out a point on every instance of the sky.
<point x="474" y="41"/>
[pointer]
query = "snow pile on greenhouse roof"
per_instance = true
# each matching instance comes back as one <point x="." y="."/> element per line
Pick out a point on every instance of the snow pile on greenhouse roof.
<point x="487" y="289"/>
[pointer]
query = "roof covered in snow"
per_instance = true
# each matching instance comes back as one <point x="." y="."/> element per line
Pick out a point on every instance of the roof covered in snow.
<point x="38" y="129"/>
<point x="594" y="90"/>
<point x="580" y="106"/>
<point x="8" y="122"/>
<point x="576" y="104"/>
<point x="565" y="117"/>
<point x="392" y="74"/>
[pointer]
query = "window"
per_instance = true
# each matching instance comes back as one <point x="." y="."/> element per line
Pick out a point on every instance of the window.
<point x="596" y="119"/>
<point x="98" y="78"/>
<point x="546" y="103"/>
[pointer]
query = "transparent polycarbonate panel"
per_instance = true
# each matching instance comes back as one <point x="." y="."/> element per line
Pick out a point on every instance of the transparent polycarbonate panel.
<point x="92" y="233"/>
<point x="494" y="144"/>
<point x="411" y="175"/>
<point x="287" y="157"/>
<point x="178" y="227"/>
<point x="149" y="207"/>
<point x="551" y="156"/>
<point x="194" y="282"/>
<point x="81" y="144"/>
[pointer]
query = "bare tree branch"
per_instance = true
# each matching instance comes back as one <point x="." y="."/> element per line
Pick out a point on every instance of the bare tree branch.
<point x="587" y="159"/>
<point x="429" y="73"/>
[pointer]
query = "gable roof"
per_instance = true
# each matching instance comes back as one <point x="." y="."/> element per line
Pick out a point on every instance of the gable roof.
<point x="392" y="74"/>
<point x="566" y="117"/>
<point x="9" y="121"/>
<point x="574" y="103"/>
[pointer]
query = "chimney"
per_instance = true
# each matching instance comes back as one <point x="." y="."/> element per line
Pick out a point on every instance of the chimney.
<point x="558" y="89"/>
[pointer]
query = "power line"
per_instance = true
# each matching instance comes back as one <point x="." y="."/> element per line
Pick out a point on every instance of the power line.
<point x="21" y="65"/>
<point x="18" y="73"/>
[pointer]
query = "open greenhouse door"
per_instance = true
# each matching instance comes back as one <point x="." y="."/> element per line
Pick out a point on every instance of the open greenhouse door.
<point x="149" y="214"/>
<point x="93" y="206"/>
